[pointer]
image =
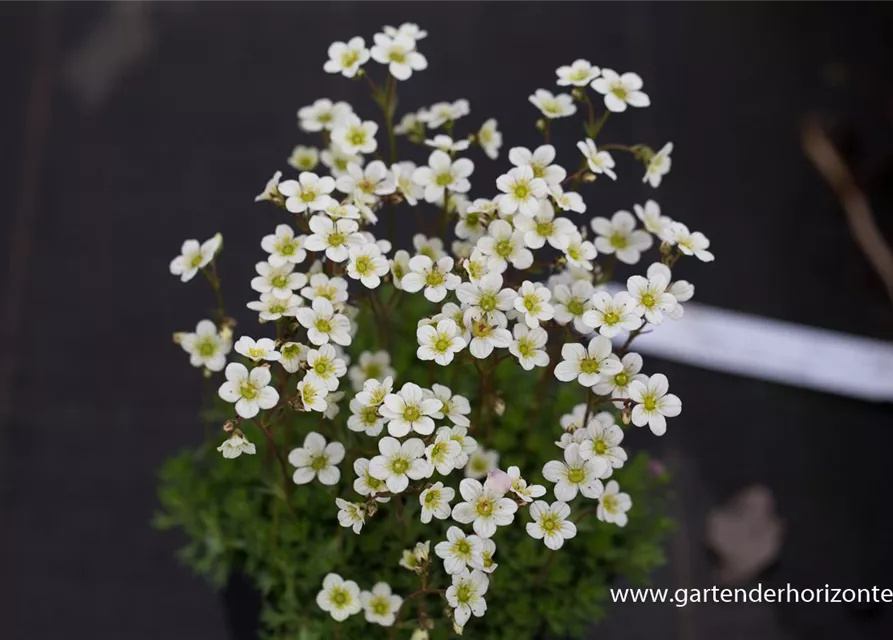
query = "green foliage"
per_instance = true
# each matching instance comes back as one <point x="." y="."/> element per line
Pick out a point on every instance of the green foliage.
<point x="239" y="515"/>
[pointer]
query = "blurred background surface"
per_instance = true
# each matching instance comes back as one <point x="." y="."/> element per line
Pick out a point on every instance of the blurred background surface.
<point x="126" y="128"/>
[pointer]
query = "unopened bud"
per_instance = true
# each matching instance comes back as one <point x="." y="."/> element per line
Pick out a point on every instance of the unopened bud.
<point x="207" y="373"/>
<point x="589" y="177"/>
<point x="372" y="508"/>
<point x="540" y="125"/>
<point x="499" y="406"/>
<point x="229" y="425"/>
<point x="296" y="404"/>
<point x="579" y="94"/>
<point x="178" y="337"/>
<point x="625" y="414"/>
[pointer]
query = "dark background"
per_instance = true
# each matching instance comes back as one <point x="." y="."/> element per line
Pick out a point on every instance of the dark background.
<point x="96" y="196"/>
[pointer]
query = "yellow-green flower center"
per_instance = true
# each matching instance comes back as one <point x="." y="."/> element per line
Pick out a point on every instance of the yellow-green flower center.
<point x="576" y="475"/>
<point x="432" y="498"/>
<point x="619" y="241"/>
<point x="411" y="413"/>
<point x="588" y="365"/>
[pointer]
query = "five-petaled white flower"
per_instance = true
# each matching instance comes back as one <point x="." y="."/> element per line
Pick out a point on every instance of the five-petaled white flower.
<point x="366" y="264"/>
<point x="324" y="324"/>
<point x="375" y="391"/>
<point x="575" y="474"/>
<point x="505" y="245"/>
<point x="326" y="365"/>
<point x="613" y="505"/>
<point x="194" y="256"/>
<point x="206" y="347"/>
<point x="439" y="343"/>
<point x="263" y="349"/>
<point x="612" y="314"/>
<point x="691" y="243"/>
<point x="278" y="281"/>
<point x="347" y="57"/>
<point x="550" y="523"/>
<point x="308" y="193"/>
<point x="403" y="172"/>
<point x="399" y="53"/>
<point x="544" y="227"/>
<point x="521" y="191"/>
<point x="490" y="139"/>
<point x="553" y="106"/>
<point x="578" y="74"/>
<point x="443" y="452"/>
<point x="466" y="595"/>
<point x="598" y="161"/>
<point x="443" y="174"/>
<point x="249" y="391"/>
<point x="339" y="597"/>
<point x="527" y="492"/>
<point x="380" y="606"/>
<point x="317" y="459"/>
<point x="658" y="166"/>
<point x="236" y="445"/>
<point x="322" y="286"/>
<point x="617" y="385"/>
<point x="540" y="161"/>
<point x="351" y="515"/>
<point x="587" y="364"/>
<point x="651" y="296"/>
<point x="653" y="221"/>
<point x="292" y="355"/>
<point x="620" y="236"/>
<point x="532" y="303"/>
<point x="435" y="501"/>
<point x="283" y="246"/>
<point x="272" y="308"/>
<point x="447" y="144"/>
<point x="488" y="332"/>
<point x="365" y="484"/>
<point x="602" y="440"/>
<point x="567" y="200"/>
<point x="527" y="346"/>
<point x="323" y="115"/>
<point x="303" y="158"/>
<point x="484" y="508"/>
<point x="409" y="410"/>
<point x="435" y="277"/>
<point x="354" y="135"/>
<point x="398" y="463"/>
<point x="571" y="301"/>
<point x="442" y="112"/>
<point x="410" y="29"/>
<point x="620" y="90"/>
<point x="459" y="550"/>
<point x="454" y="407"/>
<point x="486" y="295"/>
<point x="336" y="238"/>
<point x="313" y="393"/>
<point x="653" y="404"/>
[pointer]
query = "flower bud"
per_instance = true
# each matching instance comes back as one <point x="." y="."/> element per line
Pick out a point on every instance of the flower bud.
<point x="589" y="177"/>
<point x="499" y="406"/>
<point x="229" y="425"/>
<point x="178" y="337"/>
<point x="579" y="94"/>
<point x="541" y="125"/>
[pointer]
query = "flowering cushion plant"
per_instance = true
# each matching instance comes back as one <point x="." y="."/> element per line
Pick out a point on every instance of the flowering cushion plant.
<point x="432" y="440"/>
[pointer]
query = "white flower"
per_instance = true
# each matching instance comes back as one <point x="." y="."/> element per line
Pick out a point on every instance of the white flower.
<point x="272" y="308"/>
<point x="443" y="452"/>
<point x="480" y="461"/>
<point x="399" y="462"/>
<point x="484" y="508"/>
<point x="447" y="144"/>
<point x="443" y="174"/>
<point x="658" y="166"/>
<point x="691" y="244"/>
<point x="505" y="245"/>
<point x="364" y="185"/>
<point x="271" y="189"/>
<point x="292" y="355"/>
<point x="557" y="106"/>
<point x="346" y="58"/>
<point x="620" y="236"/>
<point x="573" y="421"/>
<point x="351" y="515"/>
<point x="567" y="200"/>
<point x="374" y="366"/>
<point x="435" y="277"/>
<point x="598" y="161"/>
<point x="588" y="365"/>
<point x="283" y="246"/>
<point x="323" y="324"/>
<point x="339" y="597"/>
<point x="571" y="302"/>
<point x="550" y="523"/>
<point x="579" y="74"/>
<point x="653" y="404"/>
<point x="472" y="218"/>
<point x="487" y="333"/>
<point x="613" y="505"/>
<point x="399" y="54"/>
<point x="454" y="407"/>
<point x="545" y="227"/>
<point x="527" y="346"/>
<point x="435" y="501"/>
<point x="440" y="343"/>
<point x="431" y="247"/>
<point x="466" y="595"/>
<point x="612" y="314"/>
<point x="317" y="459"/>
<point x="335" y="238"/>
<point x="521" y="191"/>
<point x="416" y="559"/>
<point x="602" y="441"/>
<point x="308" y="193"/>
<point x="338" y="160"/>
<point x="374" y="391"/>
<point x="365" y="418"/>
<point x="469" y="445"/>
<point x="303" y="158"/>
<point x="653" y="221"/>
<point x="579" y="253"/>
<point x="322" y="286"/>
<point x="194" y="256"/>
<point x="486" y="295"/>
<point x="367" y="265"/>
<point x="279" y="281"/>
<point x="323" y="115"/>
<point x="540" y="161"/>
<point x="617" y="385"/>
<point x="313" y="393"/>
<point x="263" y="349"/>
<point x="442" y="112"/>
<point x="650" y="296"/>
<point x="575" y="474"/>
<point x="206" y="347"/>
<point x="353" y="135"/>
<point x="490" y="139"/>
<point x="409" y="29"/>
<point x="380" y="606"/>
<point x="459" y="550"/>
<point x="365" y="484"/>
<point x="403" y="172"/>
<point x="250" y="392"/>
<point x="326" y="365"/>
<point x="620" y="91"/>
<point x="520" y="487"/>
<point x="409" y="410"/>
<point x="236" y="445"/>
<point x="407" y="124"/>
<point x="532" y="303"/>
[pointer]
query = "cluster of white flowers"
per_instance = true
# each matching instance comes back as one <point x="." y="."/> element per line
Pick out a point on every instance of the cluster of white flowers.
<point x="522" y="281"/>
